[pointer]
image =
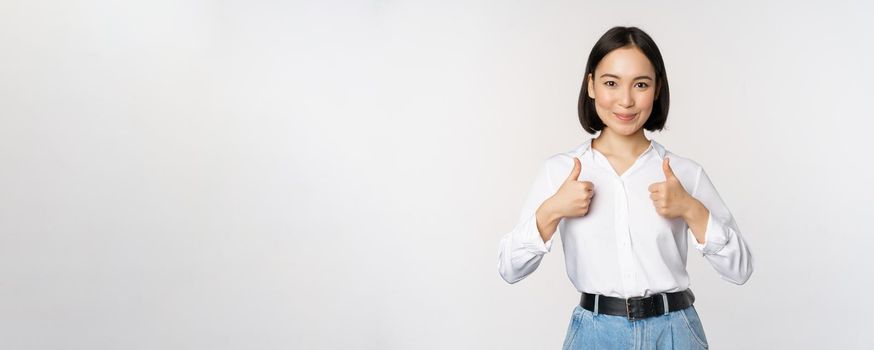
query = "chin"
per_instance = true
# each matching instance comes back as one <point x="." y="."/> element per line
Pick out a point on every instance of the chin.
<point x="624" y="130"/>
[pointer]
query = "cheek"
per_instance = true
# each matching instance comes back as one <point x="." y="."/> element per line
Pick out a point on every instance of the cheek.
<point x="645" y="103"/>
<point x="604" y="107"/>
<point x="646" y="99"/>
<point x="603" y="98"/>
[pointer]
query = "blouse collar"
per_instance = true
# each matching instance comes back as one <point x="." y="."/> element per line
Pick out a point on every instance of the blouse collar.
<point x="585" y="148"/>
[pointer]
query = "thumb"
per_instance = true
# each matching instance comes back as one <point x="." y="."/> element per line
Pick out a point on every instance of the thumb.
<point x="666" y="166"/>
<point x="575" y="172"/>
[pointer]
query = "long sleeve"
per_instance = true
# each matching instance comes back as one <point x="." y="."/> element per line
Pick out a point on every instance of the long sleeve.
<point x="724" y="247"/>
<point x="521" y="250"/>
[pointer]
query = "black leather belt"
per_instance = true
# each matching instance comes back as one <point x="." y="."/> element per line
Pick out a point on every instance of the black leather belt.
<point x="638" y="307"/>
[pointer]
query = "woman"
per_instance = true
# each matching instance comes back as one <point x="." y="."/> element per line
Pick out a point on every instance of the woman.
<point x="622" y="205"/>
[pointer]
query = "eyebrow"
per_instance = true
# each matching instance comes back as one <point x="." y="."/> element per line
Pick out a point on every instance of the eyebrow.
<point x="617" y="77"/>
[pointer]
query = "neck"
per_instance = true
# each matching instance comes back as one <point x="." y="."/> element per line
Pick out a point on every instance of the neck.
<point x="612" y="143"/>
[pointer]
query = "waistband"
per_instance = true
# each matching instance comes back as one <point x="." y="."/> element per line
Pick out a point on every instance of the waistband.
<point x="637" y="308"/>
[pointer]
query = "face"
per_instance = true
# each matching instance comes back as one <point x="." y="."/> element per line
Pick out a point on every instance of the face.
<point x="623" y="87"/>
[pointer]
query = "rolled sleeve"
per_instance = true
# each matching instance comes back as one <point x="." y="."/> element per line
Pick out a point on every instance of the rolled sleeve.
<point x="531" y="239"/>
<point x="724" y="247"/>
<point x="715" y="237"/>
<point x="521" y="250"/>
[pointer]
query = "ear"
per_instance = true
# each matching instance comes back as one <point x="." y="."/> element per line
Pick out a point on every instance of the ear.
<point x="658" y="90"/>
<point x="591" y="87"/>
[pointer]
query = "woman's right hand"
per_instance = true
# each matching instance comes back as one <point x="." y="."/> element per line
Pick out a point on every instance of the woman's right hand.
<point x="571" y="200"/>
<point x="573" y="197"/>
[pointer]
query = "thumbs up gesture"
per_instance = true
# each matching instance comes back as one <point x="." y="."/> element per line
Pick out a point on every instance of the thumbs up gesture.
<point x="573" y="197"/>
<point x="571" y="200"/>
<point x="669" y="197"/>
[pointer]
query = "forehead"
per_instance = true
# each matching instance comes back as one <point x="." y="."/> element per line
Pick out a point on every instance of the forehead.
<point x="625" y="61"/>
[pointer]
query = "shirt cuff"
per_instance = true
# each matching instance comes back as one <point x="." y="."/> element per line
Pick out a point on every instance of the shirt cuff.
<point x="715" y="236"/>
<point x="532" y="240"/>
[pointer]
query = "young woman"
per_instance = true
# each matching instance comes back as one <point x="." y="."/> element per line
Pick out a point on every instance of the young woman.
<point x="622" y="205"/>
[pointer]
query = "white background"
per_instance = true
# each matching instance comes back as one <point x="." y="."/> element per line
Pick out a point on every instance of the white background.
<point x="326" y="175"/>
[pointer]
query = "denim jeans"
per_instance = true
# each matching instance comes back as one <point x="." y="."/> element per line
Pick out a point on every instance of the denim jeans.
<point x="680" y="329"/>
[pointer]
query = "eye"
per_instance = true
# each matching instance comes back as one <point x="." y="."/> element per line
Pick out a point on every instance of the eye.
<point x="610" y="83"/>
<point x="642" y="85"/>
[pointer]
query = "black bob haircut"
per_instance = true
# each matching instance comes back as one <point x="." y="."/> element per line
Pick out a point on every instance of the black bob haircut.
<point x="618" y="37"/>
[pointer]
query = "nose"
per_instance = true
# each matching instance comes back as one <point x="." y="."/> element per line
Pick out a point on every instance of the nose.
<point x="626" y="100"/>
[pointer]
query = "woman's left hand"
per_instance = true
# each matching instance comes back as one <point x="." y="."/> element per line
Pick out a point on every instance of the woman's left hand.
<point x="669" y="197"/>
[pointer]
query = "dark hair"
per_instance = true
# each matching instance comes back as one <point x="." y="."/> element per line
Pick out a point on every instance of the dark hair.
<point x="618" y="37"/>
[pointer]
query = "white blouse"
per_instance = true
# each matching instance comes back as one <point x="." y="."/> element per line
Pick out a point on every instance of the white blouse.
<point x="622" y="247"/>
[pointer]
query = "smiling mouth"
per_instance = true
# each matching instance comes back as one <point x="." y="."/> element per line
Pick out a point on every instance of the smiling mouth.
<point x="625" y="117"/>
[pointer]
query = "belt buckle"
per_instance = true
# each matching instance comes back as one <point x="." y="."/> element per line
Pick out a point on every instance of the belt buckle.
<point x="629" y="314"/>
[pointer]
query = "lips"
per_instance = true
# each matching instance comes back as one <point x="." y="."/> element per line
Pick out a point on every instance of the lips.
<point x="625" y="117"/>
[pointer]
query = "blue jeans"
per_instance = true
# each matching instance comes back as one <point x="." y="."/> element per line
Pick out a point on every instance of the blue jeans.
<point x="680" y="329"/>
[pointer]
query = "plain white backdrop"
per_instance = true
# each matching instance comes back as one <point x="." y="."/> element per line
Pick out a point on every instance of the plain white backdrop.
<point x="331" y="175"/>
